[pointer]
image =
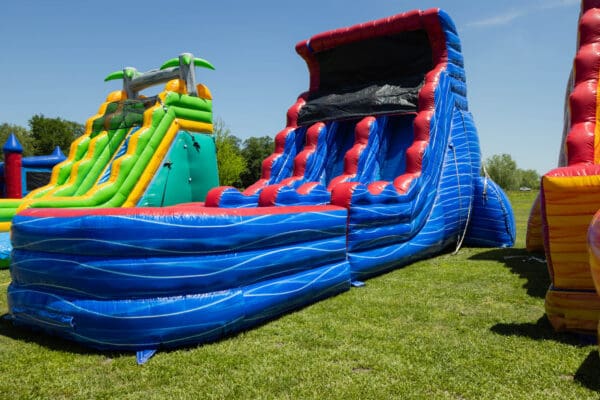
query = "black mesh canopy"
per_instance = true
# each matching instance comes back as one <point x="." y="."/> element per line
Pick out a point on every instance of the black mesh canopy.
<point x="370" y="77"/>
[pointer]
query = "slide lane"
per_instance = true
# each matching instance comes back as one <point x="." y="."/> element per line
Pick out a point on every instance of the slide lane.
<point x="83" y="151"/>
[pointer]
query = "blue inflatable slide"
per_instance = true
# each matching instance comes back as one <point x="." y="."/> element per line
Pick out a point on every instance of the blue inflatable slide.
<point x="378" y="166"/>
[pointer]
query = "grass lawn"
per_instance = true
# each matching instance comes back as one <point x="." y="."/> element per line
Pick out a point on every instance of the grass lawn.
<point x="466" y="326"/>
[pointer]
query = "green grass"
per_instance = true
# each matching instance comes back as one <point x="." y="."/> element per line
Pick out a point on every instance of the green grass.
<point x="466" y="326"/>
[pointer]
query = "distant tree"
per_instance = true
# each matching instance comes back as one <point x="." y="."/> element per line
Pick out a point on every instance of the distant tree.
<point x="503" y="170"/>
<point x="529" y="178"/>
<point x="21" y="133"/>
<point x="255" y="150"/>
<point x="47" y="133"/>
<point x="230" y="161"/>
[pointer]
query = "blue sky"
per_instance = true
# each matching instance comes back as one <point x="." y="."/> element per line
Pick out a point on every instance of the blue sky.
<point x="55" y="55"/>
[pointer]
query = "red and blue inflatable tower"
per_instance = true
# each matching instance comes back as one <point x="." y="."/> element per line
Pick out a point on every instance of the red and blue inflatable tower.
<point x="13" y="160"/>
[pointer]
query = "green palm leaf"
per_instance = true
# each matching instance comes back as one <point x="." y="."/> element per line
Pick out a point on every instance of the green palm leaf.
<point x="128" y="72"/>
<point x="114" y="75"/>
<point x="198" y="62"/>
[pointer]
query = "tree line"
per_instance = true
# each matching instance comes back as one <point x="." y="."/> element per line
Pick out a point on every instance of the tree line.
<point x="43" y="135"/>
<point x="239" y="162"/>
<point x="504" y="171"/>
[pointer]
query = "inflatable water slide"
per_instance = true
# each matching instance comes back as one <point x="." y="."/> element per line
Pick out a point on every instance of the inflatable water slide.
<point x="137" y="150"/>
<point x="378" y="166"/>
<point x="570" y="194"/>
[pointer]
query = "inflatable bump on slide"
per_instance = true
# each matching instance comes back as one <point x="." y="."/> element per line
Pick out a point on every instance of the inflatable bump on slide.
<point x="570" y="194"/>
<point x="137" y="150"/>
<point x="377" y="167"/>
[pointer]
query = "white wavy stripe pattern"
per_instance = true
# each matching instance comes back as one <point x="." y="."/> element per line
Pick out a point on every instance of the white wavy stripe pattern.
<point x="134" y="317"/>
<point x="141" y="219"/>
<point x="340" y="286"/>
<point x="118" y="244"/>
<point x="63" y="288"/>
<point x="40" y="321"/>
<point x="202" y="333"/>
<point x="220" y="271"/>
<point x="379" y="211"/>
<point x="250" y="293"/>
<point x="386" y="239"/>
<point x="419" y="242"/>
<point x="155" y="293"/>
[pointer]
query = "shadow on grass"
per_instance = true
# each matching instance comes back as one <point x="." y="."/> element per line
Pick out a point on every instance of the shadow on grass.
<point x="588" y="373"/>
<point x="522" y="263"/>
<point x="51" y="342"/>
<point x="542" y="330"/>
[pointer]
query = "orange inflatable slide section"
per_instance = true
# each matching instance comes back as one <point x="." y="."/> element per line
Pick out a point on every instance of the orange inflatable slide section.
<point x="570" y="194"/>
